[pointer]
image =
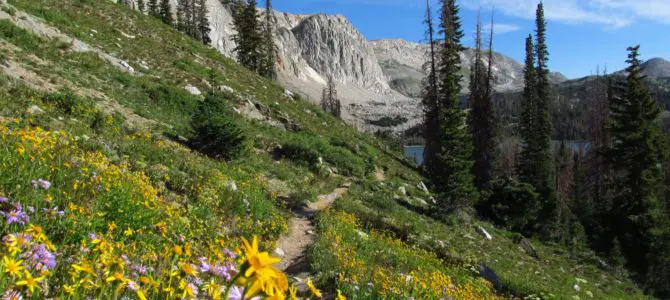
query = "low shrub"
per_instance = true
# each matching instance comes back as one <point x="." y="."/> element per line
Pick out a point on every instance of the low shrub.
<point x="215" y="132"/>
<point x="511" y="204"/>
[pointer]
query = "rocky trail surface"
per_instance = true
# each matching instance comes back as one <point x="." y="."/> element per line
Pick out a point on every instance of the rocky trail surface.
<point x="293" y="247"/>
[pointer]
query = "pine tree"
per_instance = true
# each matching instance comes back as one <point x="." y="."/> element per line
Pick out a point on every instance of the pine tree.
<point x="454" y="180"/>
<point x="140" y="5"/>
<point x="166" y="12"/>
<point x="182" y="7"/>
<point x="330" y="103"/>
<point x="636" y="158"/>
<point x="543" y="127"/>
<point x="482" y="119"/>
<point x="528" y="113"/>
<point x="249" y="36"/>
<point x="203" y="23"/>
<point x="153" y="8"/>
<point x="268" y="70"/>
<point x="431" y="126"/>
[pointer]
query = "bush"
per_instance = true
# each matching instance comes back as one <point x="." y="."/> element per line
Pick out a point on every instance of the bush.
<point x="306" y="149"/>
<point x="511" y="204"/>
<point x="215" y="133"/>
<point x="69" y="103"/>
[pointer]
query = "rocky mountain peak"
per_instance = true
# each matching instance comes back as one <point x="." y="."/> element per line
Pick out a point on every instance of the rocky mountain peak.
<point x="656" y="67"/>
<point x="334" y="47"/>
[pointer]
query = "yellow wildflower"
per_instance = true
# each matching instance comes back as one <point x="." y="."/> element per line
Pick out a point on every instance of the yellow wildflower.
<point x="30" y="282"/>
<point x="12" y="267"/>
<point x="313" y="289"/>
<point x="293" y="291"/>
<point x="129" y="232"/>
<point x="116" y="277"/>
<point x="111" y="226"/>
<point x="189" y="269"/>
<point x="257" y="261"/>
<point x="340" y="296"/>
<point x="177" y="250"/>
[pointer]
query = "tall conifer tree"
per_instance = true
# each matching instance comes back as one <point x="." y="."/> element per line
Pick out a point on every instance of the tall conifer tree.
<point x="543" y="127"/>
<point x="141" y="5"/>
<point x="154" y="11"/>
<point x="528" y="113"/>
<point x="454" y="179"/>
<point x="431" y="126"/>
<point x="482" y="120"/>
<point x="249" y="37"/>
<point x="268" y="70"/>
<point x="203" y="23"/>
<point x="166" y="12"/>
<point x="636" y="157"/>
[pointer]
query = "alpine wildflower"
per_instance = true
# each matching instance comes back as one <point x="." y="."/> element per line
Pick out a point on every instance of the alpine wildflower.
<point x="313" y="289"/>
<point x="30" y="282"/>
<point x="12" y="267"/>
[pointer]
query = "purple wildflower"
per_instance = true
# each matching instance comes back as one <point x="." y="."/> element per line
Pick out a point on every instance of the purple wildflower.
<point x="53" y="212"/>
<point x="12" y="295"/>
<point x="4" y="200"/>
<point x="31" y="209"/>
<point x="92" y="236"/>
<point x="235" y="293"/>
<point x="370" y="284"/>
<point x="204" y="265"/>
<point x="140" y="269"/>
<point x="229" y="253"/>
<point x="39" y="258"/>
<point x="193" y="288"/>
<point x="41" y="183"/>
<point x="16" y="215"/>
<point x="132" y="285"/>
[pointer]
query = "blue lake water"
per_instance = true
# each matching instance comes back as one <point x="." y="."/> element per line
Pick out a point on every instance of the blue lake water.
<point x="414" y="153"/>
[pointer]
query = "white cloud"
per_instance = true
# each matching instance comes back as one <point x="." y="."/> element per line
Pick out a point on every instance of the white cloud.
<point x="610" y="13"/>
<point x="500" y="28"/>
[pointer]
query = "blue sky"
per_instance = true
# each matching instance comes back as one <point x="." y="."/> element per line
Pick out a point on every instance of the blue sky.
<point x="582" y="33"/>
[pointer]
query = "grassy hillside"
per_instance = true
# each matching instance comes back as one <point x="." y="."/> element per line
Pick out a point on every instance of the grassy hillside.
<point x="102" y="196"/>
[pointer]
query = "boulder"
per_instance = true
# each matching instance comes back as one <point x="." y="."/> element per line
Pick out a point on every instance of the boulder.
<point x="345" y="185"/>
<point x="34" y="110"/>
<point x="484" y="233"/>
<point x="422" y="187"/>
<point x="144" y="65"/>
<point x="403" y="191"/>
<point x="127" y="66"/>
<point x="193" y="90"/>
<point x="225" y="88"/>
<point x="490" y="276"/>
<point x="527" y="247"/>
<point x="231" y="185"/>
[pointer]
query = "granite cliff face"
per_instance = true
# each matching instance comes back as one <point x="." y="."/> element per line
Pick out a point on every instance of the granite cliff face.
<point x="375" y="79"/>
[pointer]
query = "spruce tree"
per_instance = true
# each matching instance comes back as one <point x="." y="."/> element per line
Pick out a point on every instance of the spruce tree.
<point x="140" y="6"/>
<point x="153" y="8"/>
<point x="636" y="158"/>
<point x="527" y="118"/>
<point x="268" y="69"/>
<point x="166" y="12"/>
<point x="454" y="180"/>
<point x="431" y="126"/>
<point x="203" y="23"/>
<point x="482" y="121"/>
<point x="249" y="36"/>
<point x="182" y="7"/>
<point x="543" y="127"/>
